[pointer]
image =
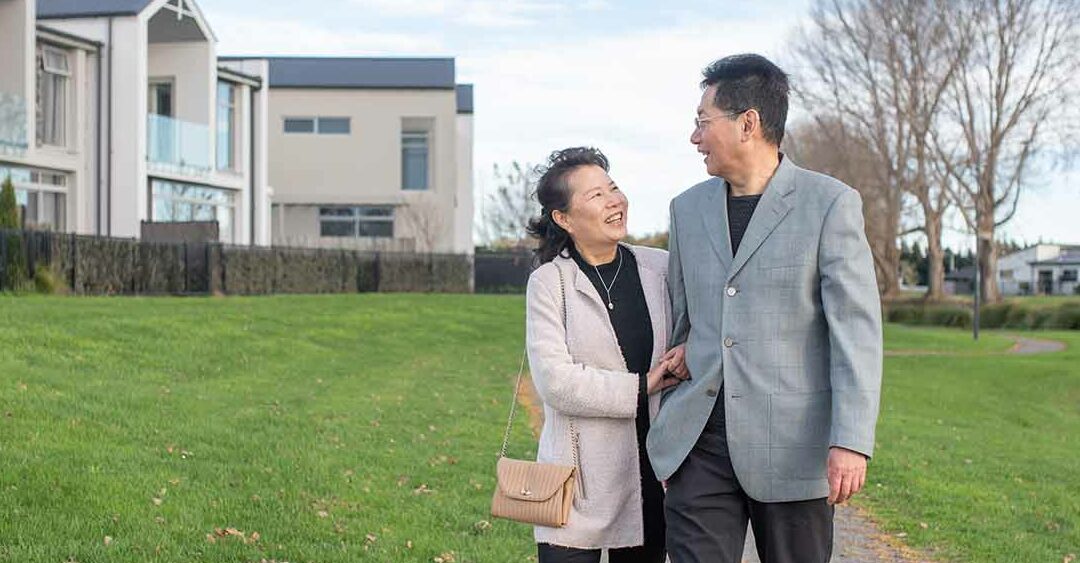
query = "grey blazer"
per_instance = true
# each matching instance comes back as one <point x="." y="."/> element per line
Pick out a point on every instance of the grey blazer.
<point x="789" y="329"/>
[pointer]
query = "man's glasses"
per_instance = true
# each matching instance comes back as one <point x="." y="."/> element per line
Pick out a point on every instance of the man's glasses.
<point x="699" y="122"/>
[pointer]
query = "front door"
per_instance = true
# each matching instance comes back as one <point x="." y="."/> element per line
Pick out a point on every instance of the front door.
<point x="1046" y="282"/>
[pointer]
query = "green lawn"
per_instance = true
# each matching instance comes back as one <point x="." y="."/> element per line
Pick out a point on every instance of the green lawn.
<point x="339" y="428"/>
<point x="365" y="427"/>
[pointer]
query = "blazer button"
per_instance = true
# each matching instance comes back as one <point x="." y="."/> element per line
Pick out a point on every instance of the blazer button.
<point x="731" y="291"/>
<point x="729" y="342"/>
<point x="710" y="392"/>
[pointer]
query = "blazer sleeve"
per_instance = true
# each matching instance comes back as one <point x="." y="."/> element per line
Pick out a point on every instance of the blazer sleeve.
<point x="571" y="388"/>
<point x="852" y="308"/>
<point x="680" y="328"/>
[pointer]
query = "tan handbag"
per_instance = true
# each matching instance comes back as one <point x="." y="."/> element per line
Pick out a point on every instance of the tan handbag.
<point x="532" y="492"/>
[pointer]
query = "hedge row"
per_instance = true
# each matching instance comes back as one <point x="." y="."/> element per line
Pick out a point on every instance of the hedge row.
<point x="1012" y="314"/>
<point x="88" y="265"/>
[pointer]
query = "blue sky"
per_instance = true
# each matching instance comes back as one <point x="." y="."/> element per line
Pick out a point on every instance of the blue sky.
<point x="620" y="75"/>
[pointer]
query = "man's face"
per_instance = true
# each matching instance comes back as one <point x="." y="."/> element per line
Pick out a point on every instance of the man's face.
<point x="717" y="134"/>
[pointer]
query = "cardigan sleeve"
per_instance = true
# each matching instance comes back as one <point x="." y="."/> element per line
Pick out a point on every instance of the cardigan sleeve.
<point x="571" y="388"/>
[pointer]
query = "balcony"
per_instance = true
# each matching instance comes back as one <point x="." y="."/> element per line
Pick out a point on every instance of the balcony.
<point x="178" y="146"/>
<point x="13" y="140"/>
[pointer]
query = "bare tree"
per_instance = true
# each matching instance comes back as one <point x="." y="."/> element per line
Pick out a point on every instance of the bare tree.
<point x="825" y="145"/>
<point x="1014" y="94"/>
<point x="881" y="68"/>
<point x="426" y="221"/>
<point x="507" y="212"/>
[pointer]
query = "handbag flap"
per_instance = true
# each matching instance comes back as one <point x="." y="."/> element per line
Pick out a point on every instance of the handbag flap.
<point x="529" y="480"/>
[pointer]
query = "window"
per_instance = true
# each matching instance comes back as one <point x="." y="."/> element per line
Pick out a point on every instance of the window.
<point x="226" y="126"/>
<point x="356" y="222"/>
<point x="299" y="125"/>
<point x="160" y="97"/>
<point x="414" y="160"/>
<point x="40" y="195"/>
<point x="1006" y="274"/>
<point x="334" y="126"/>
<point x="174" y="202"/>
<point x="320" y="125"/>
<point x="53" y="77"/>
<point x="1068" y="275"/>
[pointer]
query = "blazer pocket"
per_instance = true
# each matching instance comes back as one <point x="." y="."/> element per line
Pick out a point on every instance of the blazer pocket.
<point x="799" y="433"/>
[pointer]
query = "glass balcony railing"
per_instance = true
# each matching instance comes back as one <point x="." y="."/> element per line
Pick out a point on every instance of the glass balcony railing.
<point x="13" y="137"/>
<point x="177" y="143"/>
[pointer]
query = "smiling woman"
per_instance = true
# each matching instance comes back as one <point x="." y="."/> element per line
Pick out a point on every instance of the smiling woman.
<point x="596" y="331"/>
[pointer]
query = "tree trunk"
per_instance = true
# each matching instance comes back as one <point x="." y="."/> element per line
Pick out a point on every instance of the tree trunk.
<point x="935" y="255"/>
<point x="987" y="255"/>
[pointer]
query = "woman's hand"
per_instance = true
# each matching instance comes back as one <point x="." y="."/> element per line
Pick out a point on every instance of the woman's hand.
<point x="676" y="358"/>
<point x="660" y="378"/>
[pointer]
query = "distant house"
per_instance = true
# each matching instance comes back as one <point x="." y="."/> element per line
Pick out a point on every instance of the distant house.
<point x="370" y="153"/>
<point x="1042" y="269"/>
<point x="960" y="281"/>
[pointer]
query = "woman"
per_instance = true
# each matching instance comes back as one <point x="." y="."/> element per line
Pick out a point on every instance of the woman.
<point x="599" y="370"/>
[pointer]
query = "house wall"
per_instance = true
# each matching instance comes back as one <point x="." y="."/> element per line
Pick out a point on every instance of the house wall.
<point x="187" y="65"/>
<point x="464" y="202"/>
<point x="364" y="167"/>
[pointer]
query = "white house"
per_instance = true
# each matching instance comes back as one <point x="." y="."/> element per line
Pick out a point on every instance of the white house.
<point x="370" y="153"/>
<point x="135" y="120"/>
<point x="1043" y="269"/>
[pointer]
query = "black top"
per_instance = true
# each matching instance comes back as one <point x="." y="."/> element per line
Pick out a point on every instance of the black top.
<point x="739" y="211"/>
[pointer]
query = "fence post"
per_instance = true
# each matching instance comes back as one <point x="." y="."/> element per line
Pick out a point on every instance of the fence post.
<point x="3" y="258"/>
<point x="378" y="272"/>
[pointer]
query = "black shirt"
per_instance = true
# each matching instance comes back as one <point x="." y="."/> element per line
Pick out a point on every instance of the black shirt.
<point x="740" y="209"/>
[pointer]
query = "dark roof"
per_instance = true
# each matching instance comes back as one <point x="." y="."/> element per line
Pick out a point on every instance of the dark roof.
<point x="967" y="273"/>
<point x="89" y="8"/>
<point x="359" y="72"/>
<point x="464" y="98"/>
<point x="1063" y="260"/>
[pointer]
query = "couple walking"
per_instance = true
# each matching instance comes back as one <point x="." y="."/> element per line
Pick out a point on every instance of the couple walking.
<point x="734" y="378"/>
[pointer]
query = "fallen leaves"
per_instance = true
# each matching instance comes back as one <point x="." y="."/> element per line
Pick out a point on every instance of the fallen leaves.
<point x="108" y="540"/>
<point x="447" y="557"/>
<point x="423" y="490"/>
<point x="226" y="533"/>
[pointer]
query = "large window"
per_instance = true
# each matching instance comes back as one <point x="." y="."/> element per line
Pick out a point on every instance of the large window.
<point x="226" y="126"/>
<point x="319" y="125"/>
<point x="414" y="160"/>
<point x="356" y="222"/>
<point x="1068" y="275"/>
<point x="41" y="196"/>
<point x="53" y="79"/>
<point x="174" y="202"/>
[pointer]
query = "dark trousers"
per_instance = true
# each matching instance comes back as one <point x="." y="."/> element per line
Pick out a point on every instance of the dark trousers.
<point x="707" y="512"/>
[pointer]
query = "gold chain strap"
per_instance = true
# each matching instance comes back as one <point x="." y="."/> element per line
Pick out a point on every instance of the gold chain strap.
<point x="517" y="388"/>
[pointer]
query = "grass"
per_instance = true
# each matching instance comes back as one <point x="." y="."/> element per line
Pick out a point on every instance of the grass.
<point x="977" y="455"/>
<point x="339" y="428"/>
<point x="365" y="427"/>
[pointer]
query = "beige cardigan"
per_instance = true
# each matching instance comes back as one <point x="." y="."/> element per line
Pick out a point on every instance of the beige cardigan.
<point x="583" y="375"/>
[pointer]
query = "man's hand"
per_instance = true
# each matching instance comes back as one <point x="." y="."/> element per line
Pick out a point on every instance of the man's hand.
<point x="847" y="474"/>
<point x="676" y="359"/>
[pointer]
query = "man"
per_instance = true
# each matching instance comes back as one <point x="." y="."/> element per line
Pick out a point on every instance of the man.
<point x="774" y="294"/>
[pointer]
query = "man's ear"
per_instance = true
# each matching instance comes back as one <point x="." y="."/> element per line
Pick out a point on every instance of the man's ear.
<point x="751" y="123"/>
<point x="561" y="220"/>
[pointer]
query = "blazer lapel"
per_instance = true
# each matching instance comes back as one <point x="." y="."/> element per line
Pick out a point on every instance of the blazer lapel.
<point x="652" y="287"/>
<point x="774" y="206"/>
<point x="579" y="281"/>
<point x="714" y="214"/>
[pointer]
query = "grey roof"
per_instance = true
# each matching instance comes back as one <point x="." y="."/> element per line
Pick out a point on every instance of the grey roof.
<point x="89" y="8"/>
<point x="357" y="72"/>
<point x="464" y="98"/>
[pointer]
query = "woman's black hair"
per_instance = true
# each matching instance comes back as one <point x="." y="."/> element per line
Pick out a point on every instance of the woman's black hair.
<point x="553" y="192"/>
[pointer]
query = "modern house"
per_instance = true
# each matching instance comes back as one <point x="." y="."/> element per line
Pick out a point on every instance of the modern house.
<point x="117" y="113"/>
<point x="135" y="121"/>
<point x="1042" y="269"/>
<point x="369" y="153"/>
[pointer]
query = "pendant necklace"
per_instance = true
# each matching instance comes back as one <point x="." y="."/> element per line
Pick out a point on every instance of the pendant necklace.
<point x="607" y="287"/>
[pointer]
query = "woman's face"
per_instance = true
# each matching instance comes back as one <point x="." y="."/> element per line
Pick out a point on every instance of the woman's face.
<point x="597" y="212"/>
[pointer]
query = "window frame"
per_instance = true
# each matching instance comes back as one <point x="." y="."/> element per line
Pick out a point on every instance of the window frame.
<point x="59" y="80"/>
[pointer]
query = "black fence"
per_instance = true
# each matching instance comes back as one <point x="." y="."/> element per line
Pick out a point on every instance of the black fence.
<point x="90" y="265"/>
<point x="503" y="272"/>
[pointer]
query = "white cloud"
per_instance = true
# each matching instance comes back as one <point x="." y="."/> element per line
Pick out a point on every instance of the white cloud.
<point x="249" y="35"/>
<point x="472" y="13"/>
